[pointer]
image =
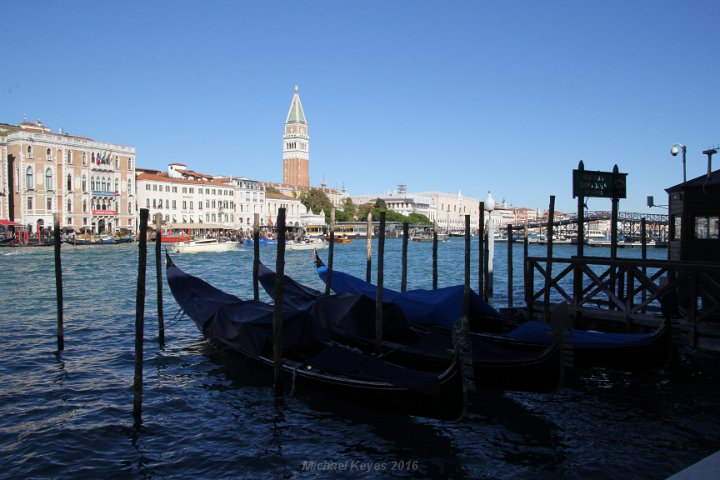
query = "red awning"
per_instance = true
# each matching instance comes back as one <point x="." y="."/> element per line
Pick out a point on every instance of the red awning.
<point x="9" y="223"/>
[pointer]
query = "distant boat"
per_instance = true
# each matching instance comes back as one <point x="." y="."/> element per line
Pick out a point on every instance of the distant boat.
<point x="204" y="245"/>
<point x="306" y="245"/>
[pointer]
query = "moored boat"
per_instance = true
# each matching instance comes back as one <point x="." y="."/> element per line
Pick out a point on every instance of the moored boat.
<point x="497" y="362"/>
<point x="204" y="245"/>
<point x="310" y="361"/>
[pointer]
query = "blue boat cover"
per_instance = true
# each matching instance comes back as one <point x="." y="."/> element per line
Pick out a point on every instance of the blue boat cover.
<point x="245" y="325"/>
<point x="539" y="332"/>
<point x="343" y="314"/>
<point x="442" y="306"/>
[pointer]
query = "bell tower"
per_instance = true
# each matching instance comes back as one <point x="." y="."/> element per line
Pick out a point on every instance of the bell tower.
<point x="296" y="145"/>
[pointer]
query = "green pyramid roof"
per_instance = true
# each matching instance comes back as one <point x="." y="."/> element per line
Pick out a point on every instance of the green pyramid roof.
<point x="296" y="114"/>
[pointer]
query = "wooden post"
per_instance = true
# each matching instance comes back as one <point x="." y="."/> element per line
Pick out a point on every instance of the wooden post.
<point x="140" y="318"/>
<point x="613" y="241"/>
<point x="510" y="264"/>
<point x="278" y="311"/>
<point x="435" y="259"/>
<point x="578" y="273"/>
<point x="256" y="256"/>
<point x="527" y="273"/>
<point x="58" y="284"/>
<point x="379" y="294"/>
<point x="548" y="267"/>
<point x="481" y="253"/>
<point x="643" y="234"/>
<point x="403" y="277"/>
<point x="466" y="291"/>
<point x="368" y="263"/>
<point x="159" y="276"/>
<point x="328" y="278"/>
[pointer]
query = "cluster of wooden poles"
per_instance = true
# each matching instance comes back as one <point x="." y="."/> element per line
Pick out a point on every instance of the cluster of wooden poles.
<point x="280" y="270"/>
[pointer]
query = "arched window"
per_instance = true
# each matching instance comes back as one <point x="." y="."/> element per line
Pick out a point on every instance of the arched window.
<point x="29" y="151"/>
<point x="69" y="182"/>
<point x="84" y="206"/>
<point x="69" y="156"/>
<point x="48" y="154"/>
<point x="117" y="186"/>
<point x="29" y="183"/>
<point x="92" y="183"/>
<point x="84" y="158"/>
<point x="84" y="183"/>
<point x="92" y="158"/>
<point x="69" y="205"/>
<point x="129" y="190"/>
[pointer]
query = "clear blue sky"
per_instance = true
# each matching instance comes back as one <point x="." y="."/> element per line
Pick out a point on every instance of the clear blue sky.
<point x="463" y="96"/>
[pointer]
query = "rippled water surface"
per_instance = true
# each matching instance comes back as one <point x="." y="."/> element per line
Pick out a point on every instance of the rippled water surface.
<point x="69" y="414"/>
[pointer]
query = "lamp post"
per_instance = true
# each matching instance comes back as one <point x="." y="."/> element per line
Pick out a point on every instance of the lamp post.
<point x="489" y="207"/>
<point x="674" y="151"/>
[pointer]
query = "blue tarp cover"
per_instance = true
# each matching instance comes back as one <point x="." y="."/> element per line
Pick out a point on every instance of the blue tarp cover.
<point x="539" y="332"/>
<point x="443" y="306"/>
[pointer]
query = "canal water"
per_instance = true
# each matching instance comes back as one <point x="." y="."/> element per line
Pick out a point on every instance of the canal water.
<point x="69" y="414"/>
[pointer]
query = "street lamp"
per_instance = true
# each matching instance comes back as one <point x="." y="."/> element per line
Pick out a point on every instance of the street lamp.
<point x="489" y="207"/>
<point x="674" y="151"/>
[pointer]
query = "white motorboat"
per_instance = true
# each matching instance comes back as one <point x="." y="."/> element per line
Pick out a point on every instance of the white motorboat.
<point x="204" y="245"/>
<point x="306" y="245"/>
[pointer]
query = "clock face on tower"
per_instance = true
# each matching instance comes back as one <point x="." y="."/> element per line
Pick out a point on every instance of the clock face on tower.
<point x="302" y="130"/>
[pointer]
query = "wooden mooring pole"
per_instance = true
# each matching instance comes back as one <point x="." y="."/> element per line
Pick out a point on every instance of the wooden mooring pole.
<point x="510" y="265"/>
<point x="278" y="311"/>
<point x="481" y="253"/>
<point x="331" y="255"/>
<point x="548" y="267"/>
<point x="140" y="317"/>
<point x="159" y="275"/>
<point x="379" y="294"/>
<point x="578" y="273"/>
<point x="58" y="284"/>
<point x="256" y="256"/>
<point x="403" y="278"/>
<point x="466" y="290"/>
<point x="435" y="259"/>
<point x="368" y="245"/>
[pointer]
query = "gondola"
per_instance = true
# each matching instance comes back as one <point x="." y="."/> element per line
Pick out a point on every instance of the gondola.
<point x="497" y="362"/>
<point x="623" y="351"/>
<point x="310" y="359"/>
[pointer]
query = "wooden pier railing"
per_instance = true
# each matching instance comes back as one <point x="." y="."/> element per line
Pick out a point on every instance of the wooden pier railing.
<point x="631" y="291"/>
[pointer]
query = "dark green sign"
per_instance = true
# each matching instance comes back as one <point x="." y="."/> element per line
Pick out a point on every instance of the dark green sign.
<point x="587" y="183"/>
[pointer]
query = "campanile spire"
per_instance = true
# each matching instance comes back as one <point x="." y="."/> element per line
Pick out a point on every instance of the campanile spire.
<point x="296" y="145"/>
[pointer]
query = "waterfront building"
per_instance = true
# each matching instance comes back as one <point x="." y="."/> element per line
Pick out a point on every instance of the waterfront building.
<point x="89" y="184"/>
<point x="296" y="146"/>
<point x="191" y="200"/>
<point x="694" y="208"/>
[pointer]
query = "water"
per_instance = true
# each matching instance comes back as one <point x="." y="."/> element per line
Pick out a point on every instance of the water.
<point x="69" y="414"/>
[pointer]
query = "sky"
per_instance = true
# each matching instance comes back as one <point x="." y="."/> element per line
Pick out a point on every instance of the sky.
<point x="460" y="97"/>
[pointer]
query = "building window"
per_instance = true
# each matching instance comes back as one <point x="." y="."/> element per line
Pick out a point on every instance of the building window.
<point x="84" y="211"/>
<point x="84" y="158"/>
<point x="48" y="179"/>
<point x="48" y="204"/>
<point x="48" y="154"/>
<point x="706" y="228"/>
<point x="117" y="186"/>
<point x="29" y="152"/>
<point x="69" y="182"/>
<point x="677" y="228"/>
<point x="69" y="206"/>
<point x="29" y="203"/>
<point x="69" y="156"/>
<point x="129" y="190"/>
<point x="84" y="183"/>
<point x="29" y="177"/>
<point x="92" y="183"/>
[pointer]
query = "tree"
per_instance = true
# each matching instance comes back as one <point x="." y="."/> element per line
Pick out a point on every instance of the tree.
<point x="349" y="208"/>
<point x="418" y="219"/>
<point x="272" y="189"/>
<point x="316" y="201"/>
